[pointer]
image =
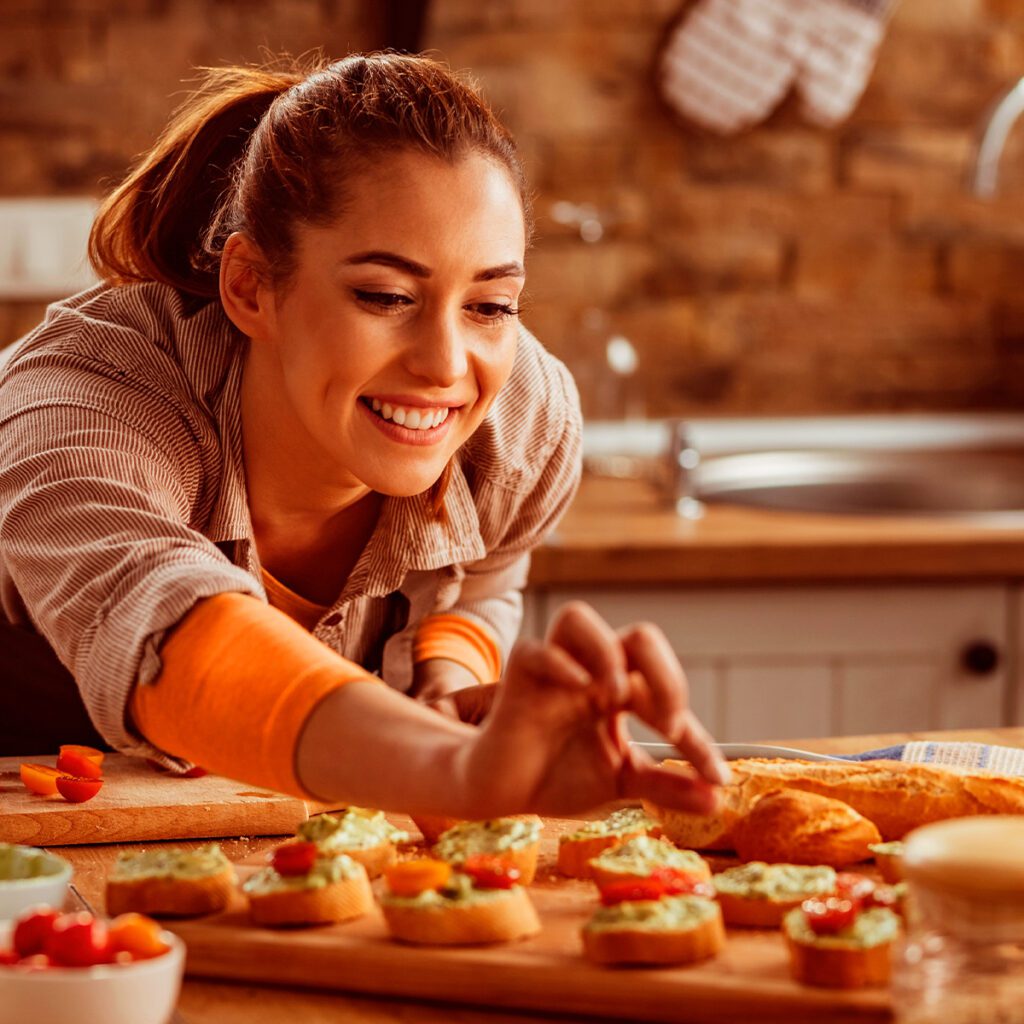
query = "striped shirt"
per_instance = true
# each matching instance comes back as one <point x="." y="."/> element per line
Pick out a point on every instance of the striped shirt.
<point x="123" y="499"/>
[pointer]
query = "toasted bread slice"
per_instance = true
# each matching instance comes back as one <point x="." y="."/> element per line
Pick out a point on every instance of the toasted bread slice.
<point x="515" y="839"/>
<point x="673" y="930"/>
<point x="795" y="827"/>
<point x="341" y="900"/>
<point x="638" y="857"/>
<point x="856" y="957"/>
<point x="889" y="860"/>
<point x="577" y="849"/>
<point x="433" y="826"/>
<point x="759" y="895"/>
<point x="170" y="882"/>
<point x="496" y="915"/>
<point x="363" y="834"/>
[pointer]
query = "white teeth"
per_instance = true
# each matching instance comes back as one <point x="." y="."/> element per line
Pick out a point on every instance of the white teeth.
<point x="411" y="419"/>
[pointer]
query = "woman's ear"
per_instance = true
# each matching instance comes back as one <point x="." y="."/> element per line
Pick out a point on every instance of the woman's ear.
<point x="245" y="292"/>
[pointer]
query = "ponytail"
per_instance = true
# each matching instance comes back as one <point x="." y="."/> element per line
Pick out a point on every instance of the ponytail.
<point x="159" y="223"/>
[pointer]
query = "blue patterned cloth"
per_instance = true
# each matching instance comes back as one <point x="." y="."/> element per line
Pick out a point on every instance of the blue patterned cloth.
<point x="963" y="756"/>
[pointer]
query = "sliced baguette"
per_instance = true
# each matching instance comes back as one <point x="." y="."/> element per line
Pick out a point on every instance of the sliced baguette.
<point x="797" y="827"/>
<point x="637" y="857"/>
<point x="889" y="860"/>
<point x="343" y="900"/>
<point x="895" y="796"/>
<point x="470" y="837"/>
<point x="759" y="895"/>
<point x="637" y="942"/>
<point x="506" y="914"/>
<point x="433" y="826"/>
<point x="832" y="962"/>
<point x="170" y="882"/>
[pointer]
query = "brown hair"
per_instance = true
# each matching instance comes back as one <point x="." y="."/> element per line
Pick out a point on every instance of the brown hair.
<point x="261" y="149"/>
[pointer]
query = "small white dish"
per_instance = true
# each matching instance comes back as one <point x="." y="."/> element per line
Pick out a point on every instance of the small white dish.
<point x="143" y="992"/>
<point x="30" y="877"/>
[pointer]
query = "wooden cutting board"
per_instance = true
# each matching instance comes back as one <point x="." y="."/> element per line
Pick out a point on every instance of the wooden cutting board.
<point x="749" y="981"/>
<point x="138" y="803"/>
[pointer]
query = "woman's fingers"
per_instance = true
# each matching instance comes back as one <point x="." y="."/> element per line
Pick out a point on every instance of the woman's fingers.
<point x="661" y="698"/>
<point x="641" y="778"/>
<point x="578" y="629"/>
<point x="534" y="661"/>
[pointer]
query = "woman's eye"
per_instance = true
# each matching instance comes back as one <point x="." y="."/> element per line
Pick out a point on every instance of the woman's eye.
<point x="385" y="300"/>
<point x="494" y="310"/>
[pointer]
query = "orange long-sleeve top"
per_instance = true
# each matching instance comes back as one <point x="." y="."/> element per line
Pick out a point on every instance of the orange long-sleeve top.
<point x="216" y="703"/>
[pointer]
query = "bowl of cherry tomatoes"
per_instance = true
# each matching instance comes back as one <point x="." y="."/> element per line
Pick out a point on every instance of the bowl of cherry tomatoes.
<point x="57" y="967"/>
<point x="29" y="876"/>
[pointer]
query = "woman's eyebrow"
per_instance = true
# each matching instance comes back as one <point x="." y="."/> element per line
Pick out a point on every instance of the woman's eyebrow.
<point x="392" y="259"/>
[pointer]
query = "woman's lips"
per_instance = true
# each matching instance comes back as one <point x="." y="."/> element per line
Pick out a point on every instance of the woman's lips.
<point x="419" y="435"/>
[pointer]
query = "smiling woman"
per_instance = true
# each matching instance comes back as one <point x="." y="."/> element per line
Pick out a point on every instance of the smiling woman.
<point x="284" y="467"/>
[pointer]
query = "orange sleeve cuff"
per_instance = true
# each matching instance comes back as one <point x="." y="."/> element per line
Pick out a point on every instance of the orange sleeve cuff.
<point x="460" y="640"/>
<point x="239" y="680"/>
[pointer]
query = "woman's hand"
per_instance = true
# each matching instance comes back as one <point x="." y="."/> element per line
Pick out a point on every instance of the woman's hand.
<point x="452" y="689"/>
<point x="555" y="741"/>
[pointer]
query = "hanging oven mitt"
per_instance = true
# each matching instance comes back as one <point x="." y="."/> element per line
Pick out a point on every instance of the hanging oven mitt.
<point x="729" y="63"/>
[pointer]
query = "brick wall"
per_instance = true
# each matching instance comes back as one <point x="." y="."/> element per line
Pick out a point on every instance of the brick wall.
<point x="790" y="269"/>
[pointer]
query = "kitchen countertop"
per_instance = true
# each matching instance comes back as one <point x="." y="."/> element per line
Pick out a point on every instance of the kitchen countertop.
<point x="205" y="1002"/>
<point x="619" y="532"/>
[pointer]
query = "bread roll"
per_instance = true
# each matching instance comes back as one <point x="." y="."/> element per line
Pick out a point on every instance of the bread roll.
<point x="897" y="797"/>
<point x="795" y="827"/>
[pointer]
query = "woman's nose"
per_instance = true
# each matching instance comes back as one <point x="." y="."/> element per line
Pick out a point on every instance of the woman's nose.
<point x="438" y="352"/>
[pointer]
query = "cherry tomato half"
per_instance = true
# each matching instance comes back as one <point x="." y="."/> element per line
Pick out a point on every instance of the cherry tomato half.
<point x="77" y="791"/>
<point x="411" y="877"/>
<point x="491" y="871"/>
<point x="78" y="766"/>
<point x="633" y="889"/>
<point x="32" y="930"/>
<point x="851" y="886"/>
<point x="91" y="753"/>
<point x="79" y="940"/>
<point x="40" y="779"/>
<point x="8" y="957"/>
<point x="676" y="882"/>
<point x="137" y="935"/>
<point x="295" y="858"/>
<point x="829" y="915"/>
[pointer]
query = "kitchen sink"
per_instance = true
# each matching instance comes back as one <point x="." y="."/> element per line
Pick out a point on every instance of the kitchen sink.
<point x="960" y="466"/>
<point x="962" y="484"/>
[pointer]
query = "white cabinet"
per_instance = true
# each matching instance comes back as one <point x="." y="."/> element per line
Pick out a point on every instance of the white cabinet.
<point x="773" y="663"/>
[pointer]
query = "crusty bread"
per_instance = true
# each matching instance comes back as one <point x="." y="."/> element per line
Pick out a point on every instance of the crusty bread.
<point x="575" y="855"/>
<point x="339" y="901"/>
<point x="463" y="840"/>
<point x="609" y="868"/>
<point x="636" y="944"/>
<point x="797" y="827"/>
<point x="759" y="895"/>
<point x="509" y="914"/>
<point x="889" y="862"/>
<point x="171" y="896"/>
<point x="896" y="796"/>
<point x="831" y="962"/>
<point x="374" y="858"/>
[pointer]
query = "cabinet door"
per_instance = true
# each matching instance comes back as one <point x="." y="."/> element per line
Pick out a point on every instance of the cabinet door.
<point x="783" y="663"/>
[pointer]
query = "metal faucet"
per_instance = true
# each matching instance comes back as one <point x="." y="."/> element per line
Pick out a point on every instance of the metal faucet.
<point x="683" y="459"/>
<point x="1004" y="115"/>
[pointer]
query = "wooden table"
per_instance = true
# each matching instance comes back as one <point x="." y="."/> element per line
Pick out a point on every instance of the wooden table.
<point x="204" y="1002"/>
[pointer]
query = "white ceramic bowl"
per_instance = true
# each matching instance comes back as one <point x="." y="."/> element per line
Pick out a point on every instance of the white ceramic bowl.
<point x="50" y="888"/>
<point x="143" y="992"/>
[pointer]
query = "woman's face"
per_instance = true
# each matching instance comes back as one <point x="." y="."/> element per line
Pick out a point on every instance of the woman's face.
<point x="383" y="352"/>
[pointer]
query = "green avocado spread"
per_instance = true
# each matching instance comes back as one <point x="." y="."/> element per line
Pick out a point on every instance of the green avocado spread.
<point x="354" y="828"/>
<point x="21" y="862"/>
<point x="640" y="856"/>
<point x="325" y="871"/>
<point x="757" y="880"/>
<point x="670" y="914"/>
<point x="874" y="927"/>
<point x="170" y="863"/>
<point x="626" y="819"/>
<point x="469" y="837"/>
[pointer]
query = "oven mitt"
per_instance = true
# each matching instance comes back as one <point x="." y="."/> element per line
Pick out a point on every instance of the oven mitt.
<point x="729" y="63"/>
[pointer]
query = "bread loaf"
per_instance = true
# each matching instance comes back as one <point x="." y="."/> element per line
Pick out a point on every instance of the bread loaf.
<point x="895" y="796"/>
<point x="792" y="826"/>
